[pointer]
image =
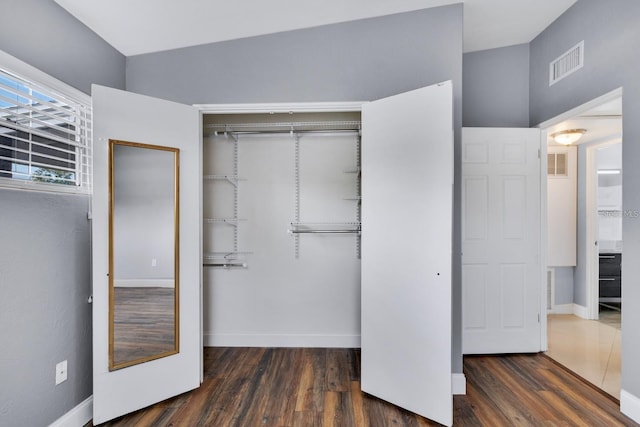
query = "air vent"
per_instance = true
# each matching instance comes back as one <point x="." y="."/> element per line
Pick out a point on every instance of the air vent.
<point x="567" y="63"/>
<point x="557" y="164"/>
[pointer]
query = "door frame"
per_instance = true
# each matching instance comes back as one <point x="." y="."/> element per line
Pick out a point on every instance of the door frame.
<point x="284" y="107"/>
<point x="591" y="260"/>
<point x="593" y="289"/>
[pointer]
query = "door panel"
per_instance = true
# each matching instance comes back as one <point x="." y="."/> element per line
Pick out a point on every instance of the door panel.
<point x="128" y="117"/>
<point x="500" y="240"/>
<point x="407" y="185"/>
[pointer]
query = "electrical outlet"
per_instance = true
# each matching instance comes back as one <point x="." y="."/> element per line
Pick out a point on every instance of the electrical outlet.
<point x="154" y="262"/>
<point x="61" y="372"/>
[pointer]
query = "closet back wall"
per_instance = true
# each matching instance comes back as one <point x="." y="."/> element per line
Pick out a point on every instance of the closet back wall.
<point x="302" y="297"/>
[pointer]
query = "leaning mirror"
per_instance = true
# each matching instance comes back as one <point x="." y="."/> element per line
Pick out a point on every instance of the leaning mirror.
<point x="143" y="253"/>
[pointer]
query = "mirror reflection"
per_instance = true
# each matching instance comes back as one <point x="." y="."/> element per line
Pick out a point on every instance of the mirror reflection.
<point x="143" y="253"/>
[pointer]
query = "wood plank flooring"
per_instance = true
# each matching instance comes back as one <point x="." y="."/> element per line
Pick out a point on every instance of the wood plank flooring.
<point x="144" y="322"/>
<point x="321" y="387"/>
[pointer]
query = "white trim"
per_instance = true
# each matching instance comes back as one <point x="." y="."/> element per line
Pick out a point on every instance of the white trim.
<point x="591" y="253"/>
<point x="281" y="340"/>
<point x="581" y="311"/>
<point x="592" y="221"/>
<point x="562" y="309"/>
<point x="458" y="384"/>
<point x="144" y="283"/>
<point x="614" y="94"/>
<point x="290" y="107"/>
<point x="43" y="187"/>
<point x="542" y="249"/>
<point x="32" y="74"/>
<point x="201" y="251"/>
<point x="630" y="405"/>
<point x="76" y="417"/>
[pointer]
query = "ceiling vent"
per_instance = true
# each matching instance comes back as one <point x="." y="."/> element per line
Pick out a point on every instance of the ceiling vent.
<point x="567" y="63"/>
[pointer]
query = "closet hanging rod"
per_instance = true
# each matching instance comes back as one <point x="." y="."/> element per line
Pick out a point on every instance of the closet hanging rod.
<point x="225" y="265"/>
<point x="285" y="127"/>
<point x="324" y="231"/>
<point x="298" y="132"/>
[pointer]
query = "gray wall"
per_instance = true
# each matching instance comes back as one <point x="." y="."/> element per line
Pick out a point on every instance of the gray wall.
<point x="610" y="30"/>
<point x="44" y="277"/>
<point x="42" y="34"/>
<point x="496" y="87"/>
<point x="564" y="285"/>
<point x="355" y="61"/>
<point x="44" y="282"/>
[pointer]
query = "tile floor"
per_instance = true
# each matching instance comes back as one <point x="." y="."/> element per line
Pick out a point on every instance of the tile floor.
<point x="590" y="348"/>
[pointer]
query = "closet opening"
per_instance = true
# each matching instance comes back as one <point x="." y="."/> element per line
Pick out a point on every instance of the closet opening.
<point x="281" y="232"/>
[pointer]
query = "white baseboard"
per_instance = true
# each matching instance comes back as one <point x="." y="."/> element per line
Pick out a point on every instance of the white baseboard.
<point x="78" y="416"/>
<point x="458" y="384"/>
<point x="580" y="311"/>
<point x="630" y="405"/>
<point x="144" y="283"/>
<point x="562" y="309"/>
<point x="281" y="340"/>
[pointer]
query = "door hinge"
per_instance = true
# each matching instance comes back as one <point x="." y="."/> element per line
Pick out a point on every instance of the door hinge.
<point x="538" y="317"/>
<point x="539" y="153"/>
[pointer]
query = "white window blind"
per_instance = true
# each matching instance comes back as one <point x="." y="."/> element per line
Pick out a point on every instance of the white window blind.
<point x="45" y="137"/>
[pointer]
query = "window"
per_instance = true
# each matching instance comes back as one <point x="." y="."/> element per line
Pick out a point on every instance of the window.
<point x="45" y="137"/>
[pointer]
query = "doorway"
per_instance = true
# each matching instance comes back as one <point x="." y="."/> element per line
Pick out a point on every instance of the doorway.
<point x="587" y="287"/>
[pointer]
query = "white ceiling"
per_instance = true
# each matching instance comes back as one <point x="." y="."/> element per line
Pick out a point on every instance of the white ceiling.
<point x="142" y="26"/>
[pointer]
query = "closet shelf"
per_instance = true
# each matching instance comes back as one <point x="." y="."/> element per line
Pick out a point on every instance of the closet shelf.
<point x="324" y="228"/>
<point x="233" y="179"/>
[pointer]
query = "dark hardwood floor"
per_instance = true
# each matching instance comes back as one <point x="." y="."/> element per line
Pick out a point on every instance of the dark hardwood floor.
<point x="320" y="387"/>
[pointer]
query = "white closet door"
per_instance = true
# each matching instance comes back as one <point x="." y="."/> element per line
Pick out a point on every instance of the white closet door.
<point x="407" y="187"/>
<point x="500" y="240"/>
<point x="125" y="116"/>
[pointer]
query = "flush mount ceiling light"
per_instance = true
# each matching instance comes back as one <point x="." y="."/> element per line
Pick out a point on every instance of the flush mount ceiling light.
<point x="568" y="137"/>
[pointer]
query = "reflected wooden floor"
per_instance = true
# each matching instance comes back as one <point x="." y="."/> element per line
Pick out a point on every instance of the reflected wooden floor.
<point x="143" y="322"/>
<point x="321" y="387"/>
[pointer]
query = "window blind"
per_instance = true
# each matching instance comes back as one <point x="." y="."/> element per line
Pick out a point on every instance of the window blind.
<point x="45" y="137"/>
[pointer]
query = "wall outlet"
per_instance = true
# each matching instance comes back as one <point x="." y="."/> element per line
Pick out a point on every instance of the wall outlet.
<point x="61" y="372"/>
<point x="154" y="262"/>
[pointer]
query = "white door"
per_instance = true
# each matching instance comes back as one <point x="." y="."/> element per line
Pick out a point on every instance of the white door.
<point x="407" y="187"/>
<point x="501" y="273"/>
<point x="125" y="116"/>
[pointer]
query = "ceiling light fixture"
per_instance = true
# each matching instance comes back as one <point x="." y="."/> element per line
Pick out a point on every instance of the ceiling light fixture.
<point x="568" y="137"/>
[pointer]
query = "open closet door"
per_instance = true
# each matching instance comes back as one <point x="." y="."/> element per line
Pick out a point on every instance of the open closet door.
<point x="407" y="194"/>
<point x="127" y="385"/>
